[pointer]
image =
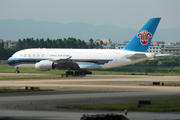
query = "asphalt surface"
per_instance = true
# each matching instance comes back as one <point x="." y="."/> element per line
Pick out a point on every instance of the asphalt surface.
<point x="94" y="89"/>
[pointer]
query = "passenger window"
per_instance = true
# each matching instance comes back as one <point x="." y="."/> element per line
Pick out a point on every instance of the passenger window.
<point x="29" y="55"/>
<point x="37" y="55"/>
<point x="24" y="55"/>
<point x="42" y="55"/>
<point x="33" y="55"/>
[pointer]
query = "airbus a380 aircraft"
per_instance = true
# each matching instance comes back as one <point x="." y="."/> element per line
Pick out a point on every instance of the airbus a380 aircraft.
<point x="83" y="60"/>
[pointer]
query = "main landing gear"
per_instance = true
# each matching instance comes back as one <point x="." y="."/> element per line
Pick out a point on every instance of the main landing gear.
<point x="81" y="72"/>
<point x="17" y="71"/>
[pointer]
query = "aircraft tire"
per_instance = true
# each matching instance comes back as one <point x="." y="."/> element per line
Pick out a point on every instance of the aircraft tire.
<point x="77" y="72"/>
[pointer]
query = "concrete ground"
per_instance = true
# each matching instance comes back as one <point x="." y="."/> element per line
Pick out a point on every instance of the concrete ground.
<point x="91" y="89"/>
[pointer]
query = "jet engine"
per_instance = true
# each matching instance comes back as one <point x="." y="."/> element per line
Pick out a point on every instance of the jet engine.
<point x="44" y="65"/>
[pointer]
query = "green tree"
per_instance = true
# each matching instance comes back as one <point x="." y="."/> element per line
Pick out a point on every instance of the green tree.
<point x="19" y="44"/>
<point x="36" y="43"/>
<point x="97" y="45"/>
<point x="153" y="62"/>
<point x="41" y="43"/>
<point x="28" y="43"/>
<point x="101" y="44"/>
<point x="59" y="43"/>
<point x="24" y="43"/>
<point x="79" y="43"/>
<point x="54" y="43"/>
<point x="83" y="44"/>
<point x="91" y="44"/>
<point x="49" y="43"/>
<point x="2" y="50"/>
<point x="32" y="43"/>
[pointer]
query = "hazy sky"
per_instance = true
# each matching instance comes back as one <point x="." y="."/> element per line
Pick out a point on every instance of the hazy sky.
<point x="122" y="13"/>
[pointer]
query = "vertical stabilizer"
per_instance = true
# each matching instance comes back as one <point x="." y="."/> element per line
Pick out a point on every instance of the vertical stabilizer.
<point x="143" y="37"/>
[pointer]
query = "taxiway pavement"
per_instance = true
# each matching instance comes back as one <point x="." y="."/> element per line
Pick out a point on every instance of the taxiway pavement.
<point x="91" y="89"/>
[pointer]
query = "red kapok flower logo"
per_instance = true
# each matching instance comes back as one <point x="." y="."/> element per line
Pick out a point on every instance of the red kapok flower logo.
<point x="144" y="36"/>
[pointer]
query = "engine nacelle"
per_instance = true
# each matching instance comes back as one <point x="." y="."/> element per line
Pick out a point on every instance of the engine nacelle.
<point x="44" y="65"/>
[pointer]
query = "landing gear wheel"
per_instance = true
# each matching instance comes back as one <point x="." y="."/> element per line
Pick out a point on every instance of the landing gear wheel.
<point x="88" y="72"/>
<point x="77" y="73"/>
<point x="69" y="73"/>
<point x="82" y="72"/>
<point x="17" y="71"/>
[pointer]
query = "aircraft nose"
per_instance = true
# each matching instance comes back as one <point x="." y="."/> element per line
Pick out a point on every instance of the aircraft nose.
<point x="9" y="61"/>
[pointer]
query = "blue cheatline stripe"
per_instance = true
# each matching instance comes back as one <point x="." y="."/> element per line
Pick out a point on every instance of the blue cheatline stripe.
<point x="28" y="59"/>
<point x="59" y="58"/>
<point x="16" y="61"/>
<point x="92" y="59"/>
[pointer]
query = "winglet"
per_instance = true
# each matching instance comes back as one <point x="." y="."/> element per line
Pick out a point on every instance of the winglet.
<point x="143" y="37"/>
<point x="69" y="58"/>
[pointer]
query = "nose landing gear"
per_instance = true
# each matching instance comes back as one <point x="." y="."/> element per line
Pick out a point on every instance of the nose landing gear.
<point x="17" y="71"/>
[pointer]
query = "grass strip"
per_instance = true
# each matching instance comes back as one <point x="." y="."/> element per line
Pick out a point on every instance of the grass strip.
<point x="7" y="90"/>
<point x="9" y="69"/>
<point x="132" y="73"/>
<point x="28" y="77"/>
<point x="172" y="84"/>
<point x="160" y="106"/>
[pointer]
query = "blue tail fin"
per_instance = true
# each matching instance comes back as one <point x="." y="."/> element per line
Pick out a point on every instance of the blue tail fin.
<point x="142" y="39"/>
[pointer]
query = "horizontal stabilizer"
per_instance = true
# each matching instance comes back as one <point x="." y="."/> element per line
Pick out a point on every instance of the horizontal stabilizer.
<point x="163" y="55"/>
<point x="137" y="56"/>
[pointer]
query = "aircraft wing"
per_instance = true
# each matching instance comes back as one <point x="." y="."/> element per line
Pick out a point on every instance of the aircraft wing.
<point x="65" y="63"/>
<point x="76" y="64"/>
<point x="137" y="56"/>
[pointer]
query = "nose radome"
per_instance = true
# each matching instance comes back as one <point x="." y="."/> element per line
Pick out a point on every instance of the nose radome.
<point x="9" y="62"/>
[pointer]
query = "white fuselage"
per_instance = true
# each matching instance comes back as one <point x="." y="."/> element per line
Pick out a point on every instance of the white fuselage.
<point x="84" y="57"/>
